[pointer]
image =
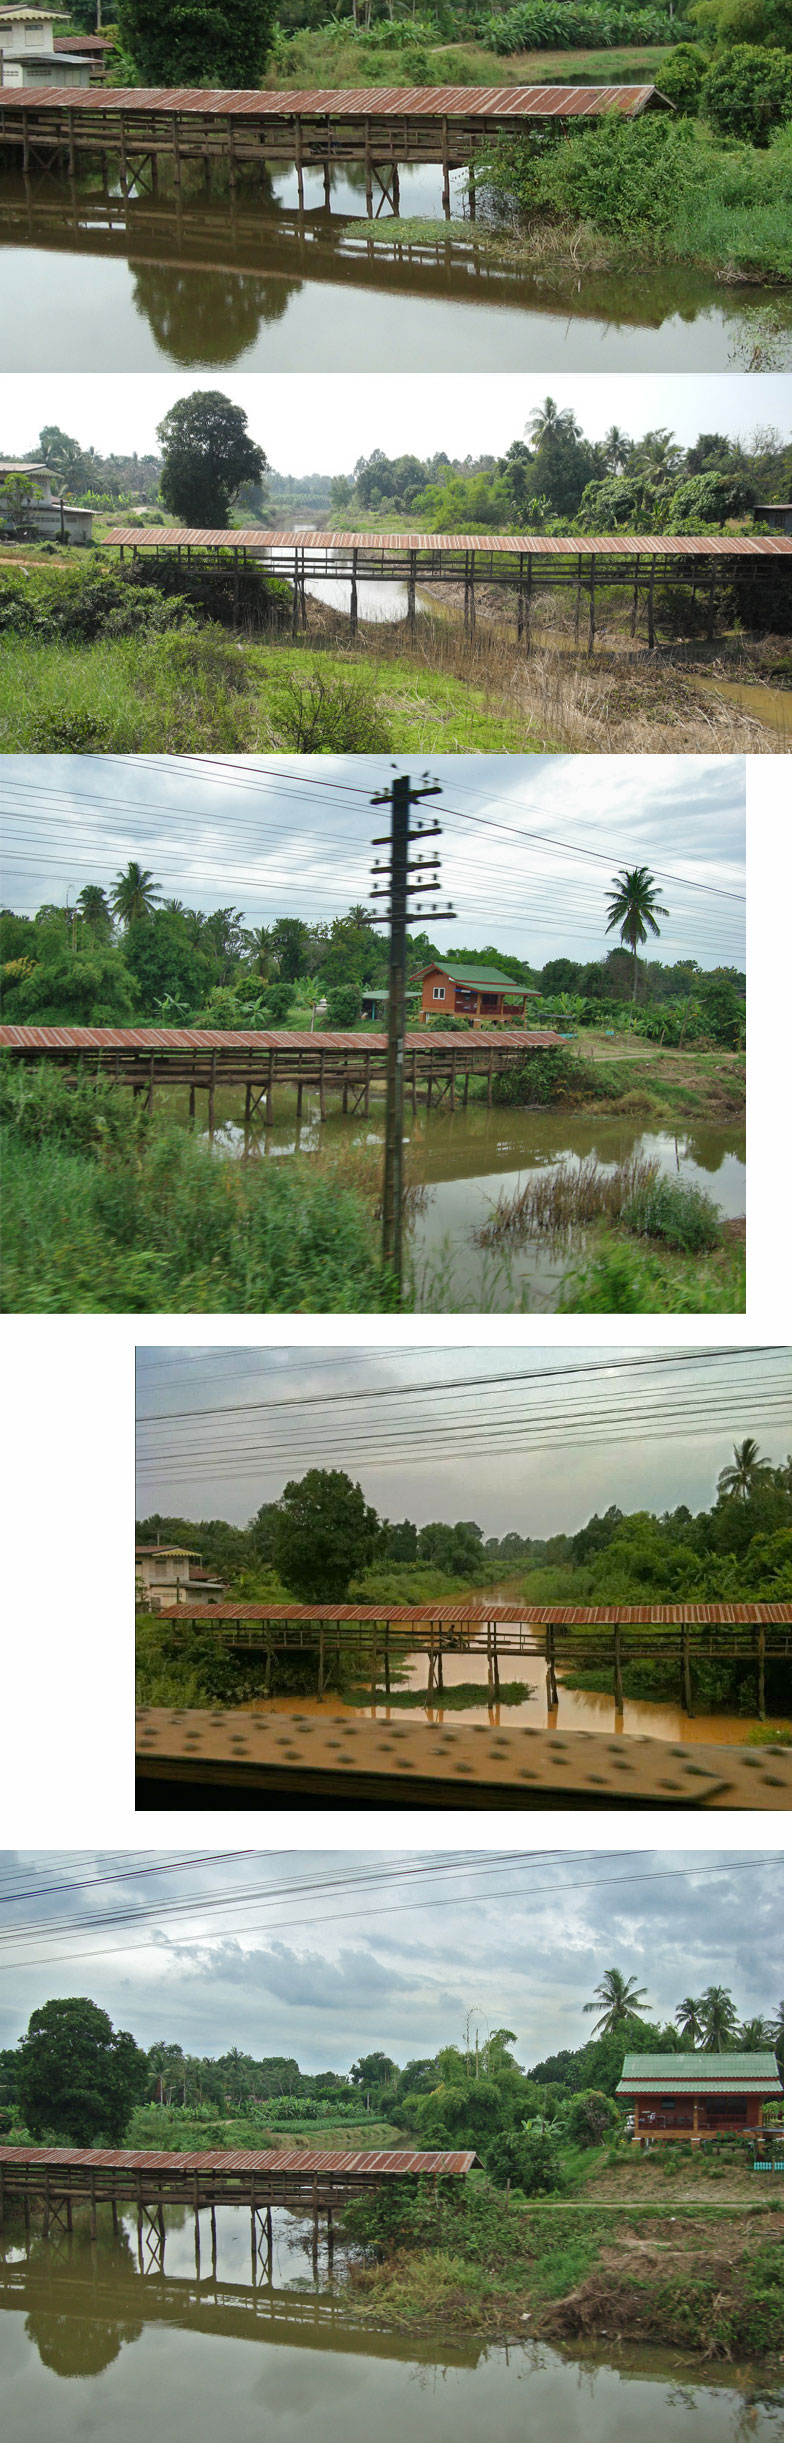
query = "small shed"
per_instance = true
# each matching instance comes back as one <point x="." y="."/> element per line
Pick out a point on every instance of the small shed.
<point x="483" y="995"/>
<point x="777" y="514"/>
<point x="696" y="2096"/>
<point x="168" y="1573"/>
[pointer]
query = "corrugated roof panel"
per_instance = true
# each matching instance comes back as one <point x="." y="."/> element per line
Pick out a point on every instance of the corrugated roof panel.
<point x="232" y="1039"/>
<point x="620" y="546"/>
<point x="351" y="101"/>
<point x="379" y="2163"/>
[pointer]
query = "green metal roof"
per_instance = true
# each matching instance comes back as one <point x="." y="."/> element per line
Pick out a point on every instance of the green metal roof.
<point x="477" y="975"/>
<point x="699" y="2073"/>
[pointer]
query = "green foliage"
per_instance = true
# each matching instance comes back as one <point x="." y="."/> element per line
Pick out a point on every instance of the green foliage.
<point x="550" y="25"/>
<point x="531" y="2159"/>
<point x="588" y="2116"/>
<point x="343" y="1006"/>
<point x="681" y="77"/>
<point x="223" y="43"/>
<point x="86" y="986"/>
<point x="669" y="1209"/>
<point x="753" y="23"/>
<point x="625" y="1282"/>
<point x="207" y="452"/>
<point x="314" y="714"/>
<point x="160" y="1225"/>
<point x="77" y="2075"/>
<point x="747" y="93"/>
<point x="279" y="1001"/>
<point x="622" y="176"/>
<point x="323" y="1532"/>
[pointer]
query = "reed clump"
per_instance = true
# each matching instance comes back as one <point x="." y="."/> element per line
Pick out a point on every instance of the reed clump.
<point x="566" y="1198"/>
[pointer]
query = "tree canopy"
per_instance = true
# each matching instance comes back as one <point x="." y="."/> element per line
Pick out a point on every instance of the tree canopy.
<point x="207" y="454"/>
<point x="78" y="2077"/>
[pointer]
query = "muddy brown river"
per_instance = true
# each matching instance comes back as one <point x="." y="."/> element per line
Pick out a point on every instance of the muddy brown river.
<point x="94" y="2349"/>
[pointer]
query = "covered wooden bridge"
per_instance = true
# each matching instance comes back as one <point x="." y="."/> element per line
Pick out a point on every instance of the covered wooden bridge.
<point x="262" y="1061"/>
<point x="143" y="129"/>
<point x="52" y="2179"/>
<point x="613" y="1635"/>
<point x="522" y="565"/>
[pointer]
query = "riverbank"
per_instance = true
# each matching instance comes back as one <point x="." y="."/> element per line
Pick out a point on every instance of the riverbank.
<point x="699" y="2269"/>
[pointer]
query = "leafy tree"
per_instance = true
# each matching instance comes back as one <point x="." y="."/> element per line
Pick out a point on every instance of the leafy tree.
<point x="87" y="987"/>
<point x="163" y="962"/>
<point x="197" y="42"/>
<point x="280" y="996"/>
<point x="634" y="906"/>
<point x="343" y="1005"/>
<point x="586" y="2117"/>
<point x="92" y="903"/>
<point x="748" y="92"/>
<point x="738" y="1481"/>
<point x="374" y="2070"/>
<point x="207" y="451"/>
<point x="78" y="2076"/>
<point x="617" y="1998"/>
<point x="289" y="942"/>
<point x="709" y="499"/>
<point x="135" y="894"/>
<point x="529" y="2158"/>
<point x="324" y="1535"/>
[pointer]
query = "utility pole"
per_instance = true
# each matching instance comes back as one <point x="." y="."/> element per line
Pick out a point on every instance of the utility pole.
<point x="399" y="889"/>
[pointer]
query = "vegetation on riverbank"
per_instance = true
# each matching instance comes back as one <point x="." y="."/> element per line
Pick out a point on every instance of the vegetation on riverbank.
<point x="660" y="191"/>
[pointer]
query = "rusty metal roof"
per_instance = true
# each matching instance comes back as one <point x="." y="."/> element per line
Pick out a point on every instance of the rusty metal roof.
<point x="551" y="1615"/>
<point x="381" y="2163"/>
<point x="546" y="546"/>
<point x="358" y="101"/>
<point x="242" y="1039"/>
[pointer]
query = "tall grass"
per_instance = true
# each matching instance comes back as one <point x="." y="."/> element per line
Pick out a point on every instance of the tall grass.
<point x="565" y="1198"/>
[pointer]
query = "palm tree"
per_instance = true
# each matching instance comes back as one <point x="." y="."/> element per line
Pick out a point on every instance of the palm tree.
<point x="135" y="894"/>
<point x="616" y="449"/>
<point x="718" y="2018"/>
<point x="753" y="2035"/>
<point x="688" y="2019"/>
<point x="658" y="454"/>
<point x="618" y="1998"/>
<point x="92" y="904"/>
<point x="174" y="907"/>
<point x="634" y="906"/>
<point x="549" y="419"/>
<point x="739" y="1482"/>
<point x="259" y="942"/>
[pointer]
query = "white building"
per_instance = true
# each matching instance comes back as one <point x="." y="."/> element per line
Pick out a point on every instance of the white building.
<point x="167" y="1574"/>
<point x="27" y="52"/>
<point x="57" y="520"/>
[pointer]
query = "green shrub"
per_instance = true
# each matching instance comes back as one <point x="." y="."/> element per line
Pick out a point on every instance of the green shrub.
<point x="748" y="92"/>
<point x="314" y="715"/>
<point x="343" y="1005"/>
<point x="681" y="78"/>
<point x="624" y="176"/>
<point x="279" y="998"/>
<point x="682" y="1216"/>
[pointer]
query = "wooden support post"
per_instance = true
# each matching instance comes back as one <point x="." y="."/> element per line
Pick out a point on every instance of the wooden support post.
<point x="472" y="188"/>
<point x="27" y="2211"/>
<point x="465" y="1090"/>
<point x="650" y="626"/>
<point x="387" y="1659"/>
<point x="212" y="1076"/>
<point x="268" y="2228"/>
<point x="235" y="608"/>
<point x="298" y="155"/>
<point x="439" y="1670"/>
<point x="197" y="2226"/>
<point x="114" y="2211"/>
<point x="122" y="151"/>
<point x="327" y="185"/>
<point x="92" y="2217"/>
<point x="320" y="1675"/>
<point x="367" y="157"/>
<point x="414" y="1082"/>
<point x="634" y="619"/>
<point x="446" y="173"/>
<point x="72" y="161"/>
<point x="353" y="599"/>
<point x="192" y="1100"/>
<point x="322" y="1104"/>
<point x="489" y="1081"/>
<point x="25" y="143"/>
<point x="495" y="1664"/>
<point x="46" y="2222"/>
<point x="711" y="607"/>
<point x="551" y="1681"/>
<point x="578" y="595"/>
<point x="296" y="593"/>
<point x="373" y="1680"/>
<point x="150" y="1095"/>
<point x="618" y="1691"/>
<point x="413" y="564"/>
<point x="69" y="2219"/>
<point x="592" y="575"/>
<point x="760" y="1691"/>
<point x="452" y="1083"/>
<point x="213" y="2229"/>
<point x="396" y="194"/>
<point x="253" y="2242"/>
<point x="268" y="1101"/>
<point x="176" y="153"/>
<point x="367" y="1087"/>
<point x="299" y="1097"/>
<point x="248" y="1096"/>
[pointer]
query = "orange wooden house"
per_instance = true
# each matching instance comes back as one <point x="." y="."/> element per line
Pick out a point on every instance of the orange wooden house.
<point x="698" y="2095"/>
<point x="481" y="994"/>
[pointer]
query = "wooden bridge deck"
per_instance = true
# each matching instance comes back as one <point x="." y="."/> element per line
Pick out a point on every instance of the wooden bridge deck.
<point x="240" y="1758"/>
<point x="263" y="1061"/>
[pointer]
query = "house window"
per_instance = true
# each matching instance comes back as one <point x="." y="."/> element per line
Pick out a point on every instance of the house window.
<point x="438" y="992"/>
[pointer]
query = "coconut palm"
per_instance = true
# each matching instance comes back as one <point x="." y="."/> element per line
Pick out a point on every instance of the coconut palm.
<point x="753" y="2035"/>
<point x="718" y="2019"/>
<point x="135" y="894"/>
<point x="549" y="419"/>
<point x="657" y="454"/>
<point x="618" y="1998"/>
<point x="616" y="449"/>
<point x="634" y="906"/>
<point x="92" y="904"/>
<point x="737" y="1483"/>
<point x="258" y="941"/>
<point x="688" y="2018"/>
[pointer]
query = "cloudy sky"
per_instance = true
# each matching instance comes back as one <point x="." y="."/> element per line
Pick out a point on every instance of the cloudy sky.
<point x="529" y="844"/>
<point x="324" y="1955"/>
<point x="551" y="1436"/>
<point x="361" y="413"/>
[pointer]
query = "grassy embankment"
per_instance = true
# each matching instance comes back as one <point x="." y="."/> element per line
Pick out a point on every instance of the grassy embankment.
<point x="647" y="2251"/>
<point x="68" y="683"/>
<point x="107" y="1211"/>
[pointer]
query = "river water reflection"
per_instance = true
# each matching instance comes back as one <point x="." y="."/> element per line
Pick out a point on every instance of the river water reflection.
<point x="88" y="277"/>
<point x="91" y="2348"/>
<point x="460" y="1161"/>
